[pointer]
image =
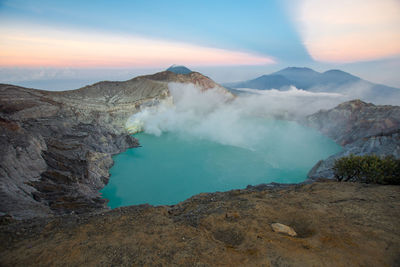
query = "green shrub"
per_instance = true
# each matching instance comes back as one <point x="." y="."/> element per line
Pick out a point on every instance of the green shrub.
<point x="368" y="169"/>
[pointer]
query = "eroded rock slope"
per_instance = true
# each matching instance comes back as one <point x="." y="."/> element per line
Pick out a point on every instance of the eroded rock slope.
<point x="57" y="146"/>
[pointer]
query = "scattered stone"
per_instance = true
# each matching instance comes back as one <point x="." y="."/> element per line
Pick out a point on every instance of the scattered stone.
<point x="283" y="229"/>
<point x="232" y="215"/>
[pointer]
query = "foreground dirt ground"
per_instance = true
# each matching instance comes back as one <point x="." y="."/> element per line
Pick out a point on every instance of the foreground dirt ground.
<point x="338" y="224"/>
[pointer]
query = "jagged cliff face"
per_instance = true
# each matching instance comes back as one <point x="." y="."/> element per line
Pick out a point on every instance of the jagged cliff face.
<point x="57" y="146"/>
<point x="350" y="121"/>
<point x="362" y="128"/>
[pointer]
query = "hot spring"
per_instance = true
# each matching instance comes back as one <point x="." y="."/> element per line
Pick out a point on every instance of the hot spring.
<point x="209" y="141"/>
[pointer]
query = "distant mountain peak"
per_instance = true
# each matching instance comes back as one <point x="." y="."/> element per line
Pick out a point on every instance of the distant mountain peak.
<point x="301" y="77"/>
<point x="179" y="69"/>
<point x="302" y="69"/>
<point x="296" y="71"/>
<point x="339" y="76"/>
<point x="335" y="70"/>
<point x="338" y="72"/>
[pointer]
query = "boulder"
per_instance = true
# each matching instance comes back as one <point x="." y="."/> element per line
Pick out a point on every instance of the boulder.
<point x="283" y="229"/>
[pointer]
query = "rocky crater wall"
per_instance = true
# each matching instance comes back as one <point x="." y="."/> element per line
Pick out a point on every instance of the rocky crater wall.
<point x="57" y="147"/>
<point x="361" y="128"/>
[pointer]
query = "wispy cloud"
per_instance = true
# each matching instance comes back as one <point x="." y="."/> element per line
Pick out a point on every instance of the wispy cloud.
<point x="349" y="31"/>
<point x="38" y="46"/>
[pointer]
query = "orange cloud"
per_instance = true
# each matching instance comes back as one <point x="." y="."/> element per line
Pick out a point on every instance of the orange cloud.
<point x="21" y="46"/>
<point x="348" y="31"/>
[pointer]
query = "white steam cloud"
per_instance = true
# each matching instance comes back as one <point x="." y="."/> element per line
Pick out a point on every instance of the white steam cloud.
<point x="365" y="91"/>
<point x="219" y="117"/>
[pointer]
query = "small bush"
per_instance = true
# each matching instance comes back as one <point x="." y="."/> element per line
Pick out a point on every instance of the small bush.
<point x="368" y="169"/>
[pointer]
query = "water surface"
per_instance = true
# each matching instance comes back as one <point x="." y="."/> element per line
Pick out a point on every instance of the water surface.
<point x="171" y="168"/>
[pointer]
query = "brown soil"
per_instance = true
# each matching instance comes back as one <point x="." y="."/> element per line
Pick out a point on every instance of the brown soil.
<point x="338" y="224"/>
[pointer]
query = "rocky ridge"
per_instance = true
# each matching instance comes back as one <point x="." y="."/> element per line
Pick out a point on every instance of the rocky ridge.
<point x="361" y="128"/>
<point x="57" y="146"/>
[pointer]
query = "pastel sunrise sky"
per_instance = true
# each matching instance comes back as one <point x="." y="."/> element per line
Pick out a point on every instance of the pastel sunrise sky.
<point x="77" y="42"/>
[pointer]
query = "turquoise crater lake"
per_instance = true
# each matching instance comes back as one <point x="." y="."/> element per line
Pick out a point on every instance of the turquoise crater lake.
<point x="170" y="168"/>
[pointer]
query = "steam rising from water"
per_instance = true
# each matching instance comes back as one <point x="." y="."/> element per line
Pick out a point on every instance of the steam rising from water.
<point x="219" y="117"/>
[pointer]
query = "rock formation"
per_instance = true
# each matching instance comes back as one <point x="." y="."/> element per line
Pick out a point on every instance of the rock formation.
<point x="361" y="128"/>
<point x="283" y="229"/>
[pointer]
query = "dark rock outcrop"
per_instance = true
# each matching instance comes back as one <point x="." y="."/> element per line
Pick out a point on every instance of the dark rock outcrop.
<point x="52" y="165"/>
<point x="353" y="120"/>
<point x="361" y="128"/>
